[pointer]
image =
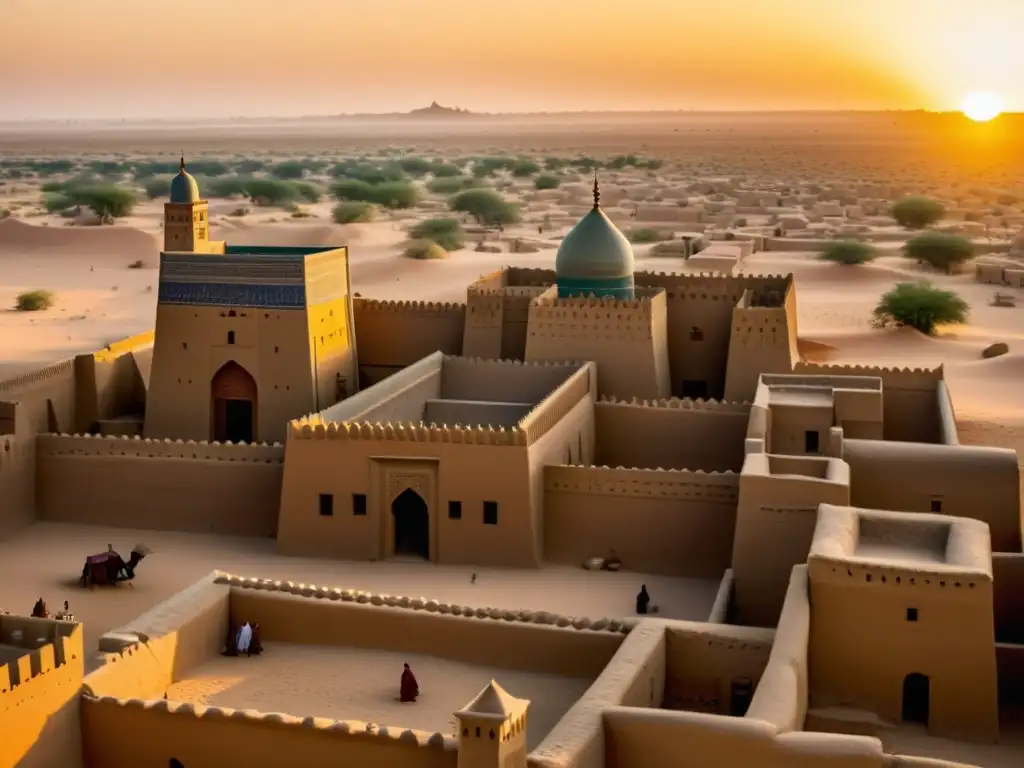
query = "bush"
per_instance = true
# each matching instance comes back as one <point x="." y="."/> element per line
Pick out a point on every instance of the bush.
<point x="353" y="212"/>
<point x="34" y="301"/>
<point x="486" y="206"/>
<point x="158" y="186"/>
<point x="447" y="233"/>
<point x="848" y="252"/>
<point x="445" y="170"/>
<point x="919" y="305"/>
<point x="390" y="194"/>
<point x="414" y="166"/>
<point x="370" y="173"/>
<point x="547" y="181"/>
<point x="270" y="191"/>
<point x="917" y="212"/>
<point x="424" y="250"/>
<point x="647" y="235"/>
<point x="289" y="170"/>
<point x="451" y="185"/>
<point x="523" y="168"/>
<point x="229" y="186"/>
<point x="105" y="200"/>
<point x="938" y="249"/>
<point x="310" y="193"/>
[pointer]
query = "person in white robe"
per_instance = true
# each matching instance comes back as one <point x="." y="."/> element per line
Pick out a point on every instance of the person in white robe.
<point x="244" y="638"/>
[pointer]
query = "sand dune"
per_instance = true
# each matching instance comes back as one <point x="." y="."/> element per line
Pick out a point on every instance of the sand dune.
<point x="21" y="238"/>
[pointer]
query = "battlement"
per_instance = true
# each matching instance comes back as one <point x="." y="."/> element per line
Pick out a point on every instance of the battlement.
<point x="679" y="404"/>
<point x="130" y="344"/>
<point x="556" y="406"/>
<point x="693" y="485"/>
<point x="311" y="428"/>
<point x="47" y="644"/>
<point x="595" y="304"/>
<point x="896" y="378"/>
<point x="407" y="307"/>
<point x="712" y="285"/>
<point x="38" y="376"/>
<point x="138" y="447"/>
<point x="314" y="592"/>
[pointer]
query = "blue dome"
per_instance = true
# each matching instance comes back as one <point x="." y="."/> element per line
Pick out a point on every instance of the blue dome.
<point x="595" y="258"/>
<point x="184" y="188"/>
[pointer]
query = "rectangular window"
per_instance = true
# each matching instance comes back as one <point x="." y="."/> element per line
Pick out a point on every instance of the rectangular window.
<point x="811" y="441"/>
<point x="490" y="513"/>
<point x="937" y="506"/>
<point x="359" y="504"/>
<point x="454" y="510"/>
<point x="231" y="337"/>
<point x="911" y="614"/>
<point x="326" y="504"/>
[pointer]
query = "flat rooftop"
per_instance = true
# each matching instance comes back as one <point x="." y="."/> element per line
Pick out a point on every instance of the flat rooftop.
<point x="48" y="560"/>
<point x="344" y="683"/>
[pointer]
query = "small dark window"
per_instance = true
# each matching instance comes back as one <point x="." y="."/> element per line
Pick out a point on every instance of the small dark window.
<point x="911" y="614"/>
<point x="326" y="504"/>
<point x="937" y="506"/>
<point x="811" y="441"/>
<point x="232" y="313"/>
<point x="478" y="732"/>
<point x="454" y="510"/>
<point x="490" y="513"/>
<point x="184" y="345"/>
<point x="231" y="337"/>
<point x="696" y="334"/>
<point x="359" y="504"/>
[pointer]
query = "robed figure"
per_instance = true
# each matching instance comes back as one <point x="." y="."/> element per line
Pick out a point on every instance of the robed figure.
<point x="642" y="600"/>
<point x="410" y="688"/>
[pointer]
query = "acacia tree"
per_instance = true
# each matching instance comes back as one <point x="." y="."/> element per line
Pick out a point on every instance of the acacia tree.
<point x="848" y="252"/>
<point x="921" y="306"/>
<point x="940" y="250"/>
<point x="917" y="212"/>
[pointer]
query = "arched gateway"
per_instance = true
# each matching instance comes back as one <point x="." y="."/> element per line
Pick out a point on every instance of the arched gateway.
<point x="233" y="400"/>
<point x="412" y="524"/>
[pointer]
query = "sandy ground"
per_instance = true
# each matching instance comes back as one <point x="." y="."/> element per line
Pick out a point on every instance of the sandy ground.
<point x="47" y="559"/>
<point x="358" y="684"/>
<point x="1008" y="753"/>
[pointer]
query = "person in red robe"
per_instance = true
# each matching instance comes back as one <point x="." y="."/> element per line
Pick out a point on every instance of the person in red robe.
<point x="410" y="688"/>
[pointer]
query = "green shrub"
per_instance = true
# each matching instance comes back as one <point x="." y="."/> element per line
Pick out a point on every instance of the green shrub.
<point x="158" y="186"/>
<point x="555" y="163"/>
<point x="940" y="250"/>
<point x="310" y="193"/>
<point x="848" y="252"/>
<point x="447" y="233"/>
<point x="524" y="168"/>
<point x="647" y="235"/>
<point x="389" y="194"/>
<point x="271" y="191"/>
<point x="34" y="301"/>
<point x="370" y="173"/>
<point x="450" y="185"/>
<point x="353" y="212"/>
<point x="414" y="166"/>
<point x="289" y="170"/>
<point x="486" y="166"/>
<point x="917" y="212"/>
<point x="445" y="170"/>
<point x="920" y="305"/>
<point x="486" y="206"/>
<point x="547" y="181"/>
<point x="230" y="186"/>
<point x="248" y="167"/>
<point x="424" y="250"/>
<point x="105" y="200"/>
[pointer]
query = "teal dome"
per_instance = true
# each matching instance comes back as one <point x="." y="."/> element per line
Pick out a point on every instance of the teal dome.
<point x="184" y="188"/>
<point x="595" y="258"/>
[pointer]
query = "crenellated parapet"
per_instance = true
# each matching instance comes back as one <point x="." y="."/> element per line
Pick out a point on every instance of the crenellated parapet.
<point x="439" y="308"/>
<point x="712" y="286"/>
<point x="686" y="484"/>
<point x="143" y="448"/>
<point x="468" y="613"/>
<point x="311" y="428"/>
<point x="556" y="406"/>
<point x="896" y="378"/>
<point x="341" y="729"/>
<point x="38" y="376"/>
<point x="678" y="404"/>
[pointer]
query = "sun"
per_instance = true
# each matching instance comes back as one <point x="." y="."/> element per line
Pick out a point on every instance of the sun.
<point x="982" y="107"/>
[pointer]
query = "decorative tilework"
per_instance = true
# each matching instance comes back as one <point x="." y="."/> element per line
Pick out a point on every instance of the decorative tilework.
<point x="234" y="295"/>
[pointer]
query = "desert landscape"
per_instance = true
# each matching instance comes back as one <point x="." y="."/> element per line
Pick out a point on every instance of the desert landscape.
<point x="425" y="204"/>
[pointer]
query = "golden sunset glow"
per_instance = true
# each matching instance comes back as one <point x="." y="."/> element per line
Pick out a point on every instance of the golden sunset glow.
<point x="321" y="57"/>
<point x="982" y="107"/>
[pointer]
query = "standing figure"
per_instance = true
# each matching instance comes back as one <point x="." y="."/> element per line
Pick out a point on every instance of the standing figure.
<point x="255" y="646"/>
<point x="244" y="638"/>
<point x="410" y="689"/>
<point x="642" y="600"/>
<point x="39" y="610"/>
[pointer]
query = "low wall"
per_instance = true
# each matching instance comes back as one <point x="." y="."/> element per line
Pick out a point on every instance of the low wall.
<point x="722" y="607"/>
<point x="1008" y="596"/>
<point x="534" y="642"/>
<point x="398" y="333"/>
<point x="17" y="482"/>
<point x="644" y="738"/>
<point x="635" y="677"/>
<point x="188" y="486"/>
<point x="673" y="522"/>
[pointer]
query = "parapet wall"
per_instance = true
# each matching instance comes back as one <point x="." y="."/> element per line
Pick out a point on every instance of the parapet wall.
<point x="910" y="398"/>
<point x="676" y="522"/>
<point x="394" y="334"/>
<point x="673" y="434"/>
<point x="160" y="484"/>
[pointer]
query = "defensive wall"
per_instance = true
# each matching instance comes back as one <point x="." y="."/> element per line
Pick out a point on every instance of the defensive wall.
<point x="676" y="522"/>
<point x="194" y="486"/>
<point x="670" y="434"/>
<point x="127" y="723"/>
<point x="391" y="335"/>
<point x="39" y="716"/>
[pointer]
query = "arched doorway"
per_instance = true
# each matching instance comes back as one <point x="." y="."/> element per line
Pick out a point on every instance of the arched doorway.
<point x="916" y="696"/>
<point x="412" y="524"/>
<point x="233" y="399"/>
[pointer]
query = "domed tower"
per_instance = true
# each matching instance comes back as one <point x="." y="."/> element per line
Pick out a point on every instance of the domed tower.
<point x="492" y="730"/>
<point x="186" y="215"/>
<point x="595" y="258"/>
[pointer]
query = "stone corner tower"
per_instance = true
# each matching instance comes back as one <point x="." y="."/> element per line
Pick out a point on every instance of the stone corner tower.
<point x="492" y="730"/>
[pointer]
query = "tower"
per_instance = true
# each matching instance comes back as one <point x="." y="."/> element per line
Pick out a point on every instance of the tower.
<point x="186" y="215"/>
<point x="595" y="258"/>
<point x="492" y="730"/>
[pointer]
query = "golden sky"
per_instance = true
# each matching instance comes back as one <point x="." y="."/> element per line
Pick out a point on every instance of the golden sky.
<point x="219" y="58"/>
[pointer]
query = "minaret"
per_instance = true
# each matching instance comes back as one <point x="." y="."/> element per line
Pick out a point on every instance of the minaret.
<point x="186" y="215"/>
<point x="492" y="730"/>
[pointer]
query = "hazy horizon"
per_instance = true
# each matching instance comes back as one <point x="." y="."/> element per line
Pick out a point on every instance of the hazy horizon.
<point x="309" y="58"/>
